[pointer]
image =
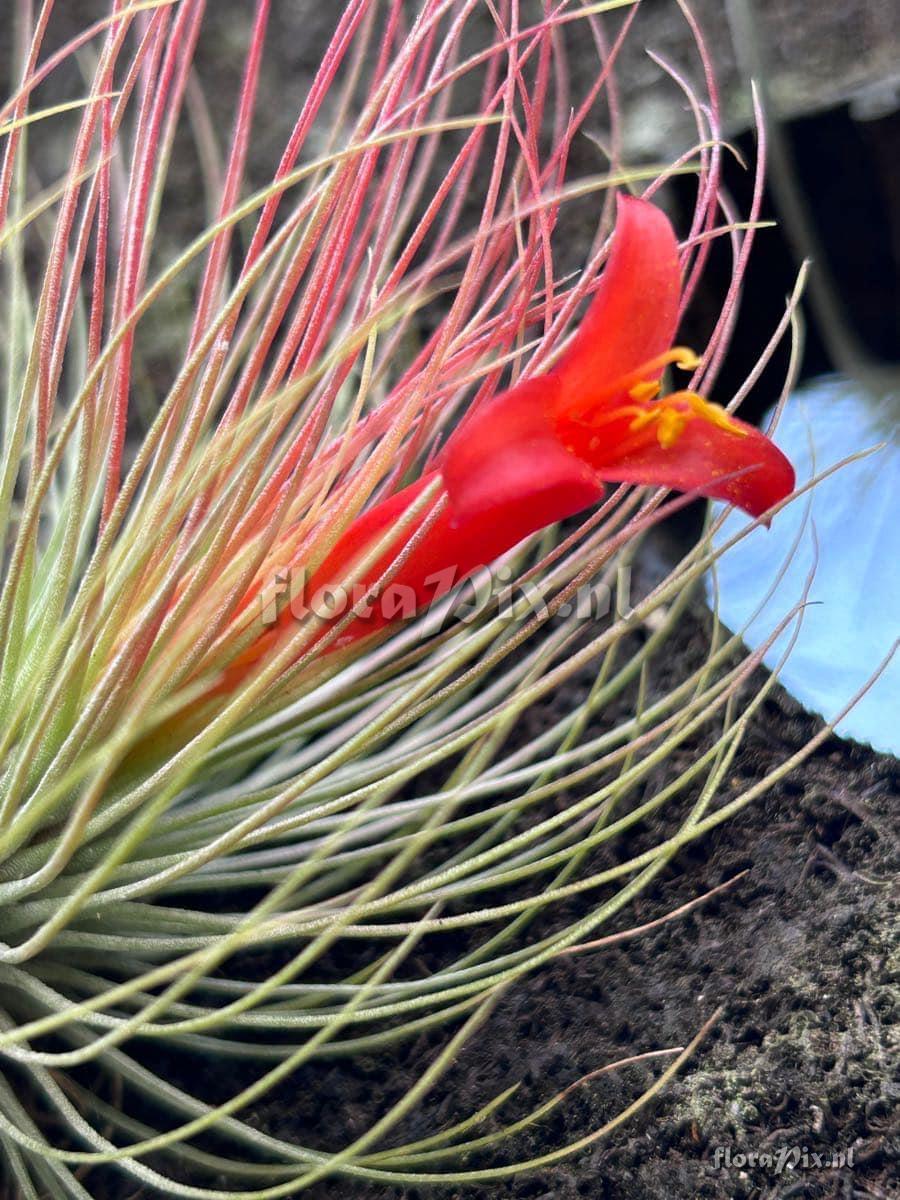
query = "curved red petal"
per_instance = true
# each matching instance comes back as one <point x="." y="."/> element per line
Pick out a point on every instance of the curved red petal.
<point x="505" y="475"/>
<point x="634" y="313"/>
<point x="506" y="468"/>
<point x="748" y="471"/>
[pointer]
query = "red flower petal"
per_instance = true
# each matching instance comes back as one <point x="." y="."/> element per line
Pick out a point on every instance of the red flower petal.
<point x="749" y="470"/>
<point x="505" y="474"/>
<point x="507" y="471"/>
<point x="634" y="314"/>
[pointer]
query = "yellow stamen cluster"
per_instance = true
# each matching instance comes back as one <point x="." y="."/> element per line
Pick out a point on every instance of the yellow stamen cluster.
<point x="671" y="415"/>
<point x="635" y="383"/>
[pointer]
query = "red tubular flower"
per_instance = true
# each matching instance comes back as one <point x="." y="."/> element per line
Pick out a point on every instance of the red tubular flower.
<point x="543" y="451"/>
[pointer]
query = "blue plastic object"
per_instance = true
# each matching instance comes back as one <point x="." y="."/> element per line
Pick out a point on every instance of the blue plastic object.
<point x="854" y="612"/>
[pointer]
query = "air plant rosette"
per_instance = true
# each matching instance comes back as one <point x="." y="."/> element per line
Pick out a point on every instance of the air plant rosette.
<point x="371" y="390"/>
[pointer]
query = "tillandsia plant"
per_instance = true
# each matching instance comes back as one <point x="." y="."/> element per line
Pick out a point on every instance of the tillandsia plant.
<point x="237" y="815"/>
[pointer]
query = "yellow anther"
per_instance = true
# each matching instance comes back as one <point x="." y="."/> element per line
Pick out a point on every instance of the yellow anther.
<point x="684" y="358"/>
<point x="671" y="427"/>
<point x="648" y="390"/>
<point x="647" y="417"/>
<point x="714" y="413"/>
